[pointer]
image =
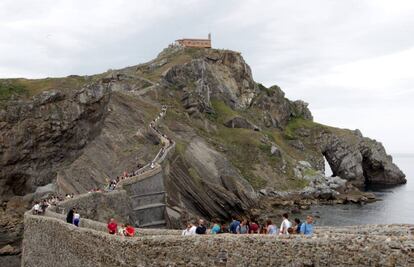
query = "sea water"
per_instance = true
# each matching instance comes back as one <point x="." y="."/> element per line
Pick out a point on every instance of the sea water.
<point x="396" y="205"/>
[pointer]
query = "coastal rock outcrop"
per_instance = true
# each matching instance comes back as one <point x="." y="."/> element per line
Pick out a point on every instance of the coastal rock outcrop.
<point x="361" y="160"/>
<point x="319" y="189"/>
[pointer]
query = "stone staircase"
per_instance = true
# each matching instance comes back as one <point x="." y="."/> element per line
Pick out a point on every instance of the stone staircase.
<point x="146" y="189"/>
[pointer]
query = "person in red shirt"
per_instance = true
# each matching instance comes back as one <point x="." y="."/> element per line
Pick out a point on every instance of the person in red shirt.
<point x="254" y="228"/>
<point x="112" y="226"/>
<point x="129" y="230"/>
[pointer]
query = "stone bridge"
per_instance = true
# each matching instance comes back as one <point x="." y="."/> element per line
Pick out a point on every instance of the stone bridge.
<point x="50" y="241"/>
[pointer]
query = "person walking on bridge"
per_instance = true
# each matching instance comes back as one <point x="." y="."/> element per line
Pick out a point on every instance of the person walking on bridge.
<point x="76" y="218"/>
<point x="129" y="230"/>
<point x="307" y="227"/>
<point x="234" y="224"/>
<point x="286" y="224"/>
<point x="69" y="217"/>
<point x="201" y="229"/>
<point x="190" y="230"/>
<point x="112" y="226"/>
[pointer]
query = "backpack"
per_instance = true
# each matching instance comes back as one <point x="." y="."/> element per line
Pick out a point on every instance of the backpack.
<point x="233" y="226"/>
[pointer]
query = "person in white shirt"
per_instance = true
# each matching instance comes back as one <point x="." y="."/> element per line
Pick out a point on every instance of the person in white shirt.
<point x="76" y="218"/>
<point x="36" y="208"/>
<point x="286" y="224"/>
<point x="190" y="230"/>
<point x="121" y="230"/>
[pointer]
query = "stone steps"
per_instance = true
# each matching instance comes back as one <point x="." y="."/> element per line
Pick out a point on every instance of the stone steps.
<point x="154" y="223"/>
<point x="150" y="206"/>
<point x="146" y="190"/>
<point x="146" y="195"/>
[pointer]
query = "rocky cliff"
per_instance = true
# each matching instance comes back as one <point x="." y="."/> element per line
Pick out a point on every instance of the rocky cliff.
<point x="236" y="140"/>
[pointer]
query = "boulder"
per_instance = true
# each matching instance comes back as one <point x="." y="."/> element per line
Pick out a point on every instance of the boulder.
<point x="300" y="109"/>
<point x="326" y="193"/>
<point x="48" y="97"/>
<point x="240" y="122"/>
<point x="336" y="182"/>
<point x="279" y="194"/>
<point x="308" y="192"/>
<point x="297" y="173"/>
<point x="275" y="151"/>
<point x="297" y="144"/>
<point x="305" y="164"/>
<point x="378" y="166"/>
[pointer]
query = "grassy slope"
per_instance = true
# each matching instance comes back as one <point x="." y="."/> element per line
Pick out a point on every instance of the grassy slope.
<point x="21" y="88"/>
<point x="243" y="147"/>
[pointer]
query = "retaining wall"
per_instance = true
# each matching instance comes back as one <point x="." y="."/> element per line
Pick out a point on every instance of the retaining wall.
<point x="52" y="242"/>
<point x="139" y="200"/>
<point x="147" y="198"/>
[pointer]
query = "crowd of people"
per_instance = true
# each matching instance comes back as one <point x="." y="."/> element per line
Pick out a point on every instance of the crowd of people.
<point x="40" y="207"/>
<point x="244" y="226"/>
<point x="237" y="226"/>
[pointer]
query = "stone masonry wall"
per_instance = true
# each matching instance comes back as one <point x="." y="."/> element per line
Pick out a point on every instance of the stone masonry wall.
<point x="100" y="206"/>
<point x="52" y="242"/>
<point x="147" y="199"/>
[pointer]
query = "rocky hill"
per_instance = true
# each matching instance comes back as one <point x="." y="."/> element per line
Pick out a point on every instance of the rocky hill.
<point x="239" y="144"/>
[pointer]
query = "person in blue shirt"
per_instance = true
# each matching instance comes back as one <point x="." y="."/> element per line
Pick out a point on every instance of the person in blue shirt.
<point x="307" y="227"/>
<point x="216" y="227"/>
<point x="234" y="224"/>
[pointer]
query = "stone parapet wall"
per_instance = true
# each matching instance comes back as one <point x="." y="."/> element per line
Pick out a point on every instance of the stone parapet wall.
<point x="101" y="227"/>
<point x="147" y="174"/>
<point x="52" y="242"/>
<point x="100" y="206"/>
<point x="370" y="229"/>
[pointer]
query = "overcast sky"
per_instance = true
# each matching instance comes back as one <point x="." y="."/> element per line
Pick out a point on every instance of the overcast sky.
<point x="352" y="60"/>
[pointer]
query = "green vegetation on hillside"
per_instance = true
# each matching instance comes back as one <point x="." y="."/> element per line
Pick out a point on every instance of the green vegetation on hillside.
<point x="10" y="89"/>
<point x="222" y="112"/>
<point x="296" y="123"/>
<point x="243" y="149"/>
<point x="24" y="88"/>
